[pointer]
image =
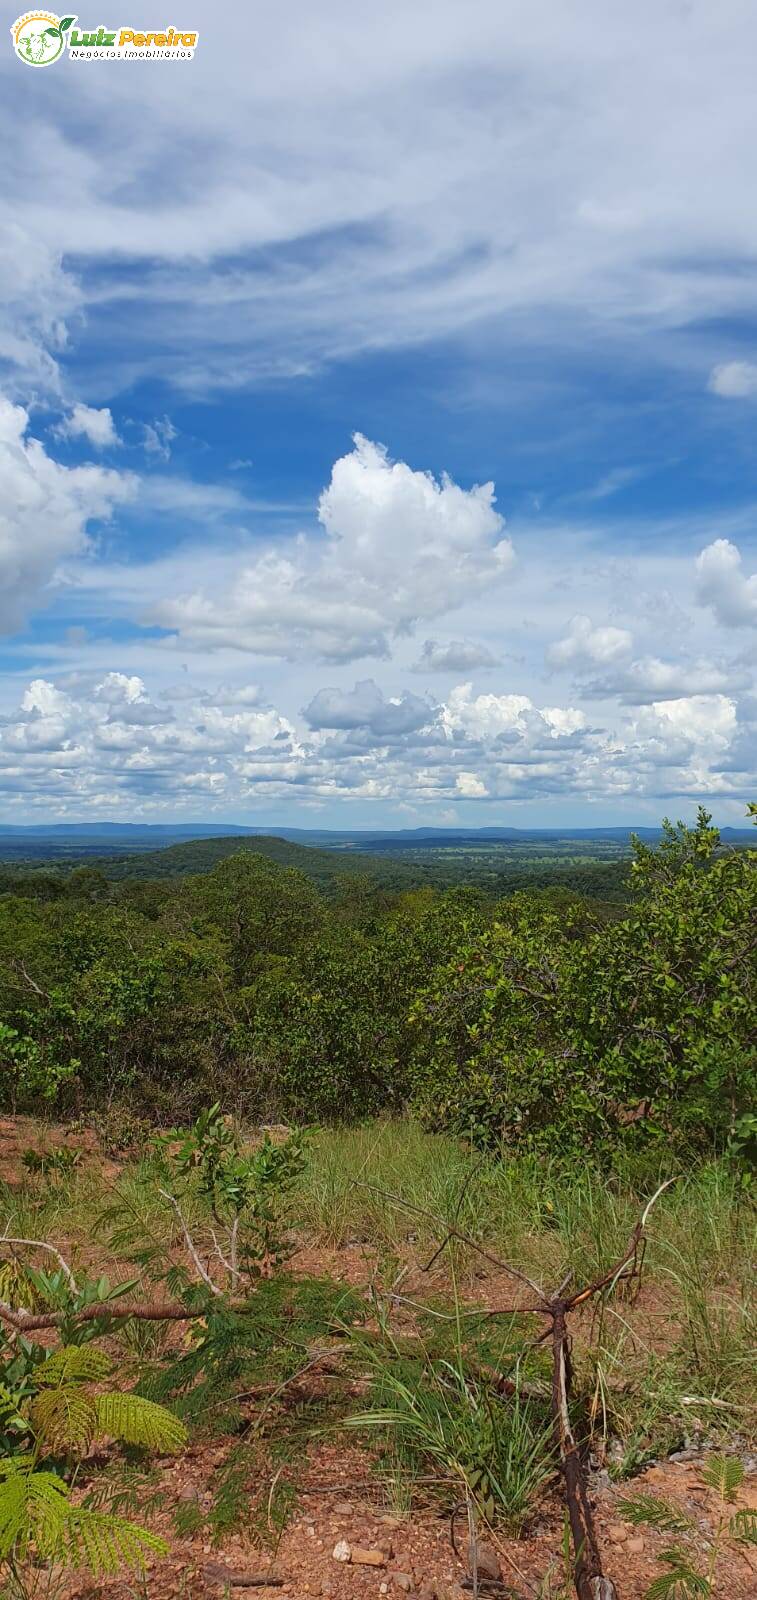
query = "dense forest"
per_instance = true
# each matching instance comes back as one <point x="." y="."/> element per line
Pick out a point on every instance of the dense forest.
<point x="344" y="986"/>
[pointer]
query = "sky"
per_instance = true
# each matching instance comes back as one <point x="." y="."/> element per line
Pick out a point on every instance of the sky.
<point x="378" y="413"/>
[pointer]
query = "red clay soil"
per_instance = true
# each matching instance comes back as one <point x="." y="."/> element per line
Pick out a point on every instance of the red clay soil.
<point x="414" y="1549"/>
<point x="338" y="1505"/>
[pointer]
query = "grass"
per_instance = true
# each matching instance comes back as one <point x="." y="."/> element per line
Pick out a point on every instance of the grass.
<point x="677" y="1364"/>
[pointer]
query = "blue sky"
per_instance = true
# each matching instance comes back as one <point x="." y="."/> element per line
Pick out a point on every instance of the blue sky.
<point x="378" y="407"/>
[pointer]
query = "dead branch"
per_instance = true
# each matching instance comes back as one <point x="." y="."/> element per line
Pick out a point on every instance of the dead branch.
<point x="39" y="1244"/>
<point x="189" y="1242"/>
<point x="32" y="1321"/>
<point x="462" y="1238"/>
<point x="589" y="1580"/>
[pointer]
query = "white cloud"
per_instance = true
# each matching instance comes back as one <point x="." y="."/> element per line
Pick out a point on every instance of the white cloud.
<point x="106" y="747"/>
<point x="158" y="436"/>
<point x="36" y="298"/>
<point x="452" y="180"/>
<point x="87" y="422"/>
<point x="586" y="645"/>
<point x="471" y="787"/>
<point x="734" y="380"/>
<point x="723" y="586"/>
<point x="457" y="655"/>
<point x="650" y="678"/>
<point x="487" y="717"/>
<point x="399" y="548"/>
<point x="708" y="720"/>
<point x="45" y="510"/>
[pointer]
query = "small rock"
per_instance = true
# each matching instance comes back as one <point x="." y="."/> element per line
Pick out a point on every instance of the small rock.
<point x="367" y="1558"/>
<point x="391" y="1522"/>
<point x="483" y="1559"/>
<point x="343" y="1508"/>
<point x="383" y="1588"/>
<point x="635" y="1546"/>
<point x="342" y="1551"/>
<point x="617" y="1532"/>
<point x="403" y="1580"/>
<point x="326" y="1587"/>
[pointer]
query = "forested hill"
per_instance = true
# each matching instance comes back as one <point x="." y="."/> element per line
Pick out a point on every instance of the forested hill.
<point x="323" y="867"/>
<point x="497" y="867"/>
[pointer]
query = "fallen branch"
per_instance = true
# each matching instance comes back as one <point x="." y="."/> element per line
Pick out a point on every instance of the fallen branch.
<point x="32" y="1321"/>
<point x="215" y="1573"/>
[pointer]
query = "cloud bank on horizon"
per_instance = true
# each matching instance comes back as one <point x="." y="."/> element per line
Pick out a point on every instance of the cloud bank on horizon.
<point x="378" y="425"/>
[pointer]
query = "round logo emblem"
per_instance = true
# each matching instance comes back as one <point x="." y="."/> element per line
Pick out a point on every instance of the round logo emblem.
<point x="39" y="37"/>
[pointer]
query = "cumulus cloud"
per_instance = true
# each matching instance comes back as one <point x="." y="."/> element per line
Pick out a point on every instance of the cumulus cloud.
<point x="399" y="547"/>
<point x="104" y="746"/>
<point x="470" y="787"/>
<point x="722" y="585"/>
<point x="457" y="655"/>
<point x="699" y="718"/>
<point x="45" y="510"/>
<point x="734" y="380"/>
<point x="587" y="645"/>
<point x="365" y="707"/>
<point x="486" y="717"/>
<point x="87" y="422"/>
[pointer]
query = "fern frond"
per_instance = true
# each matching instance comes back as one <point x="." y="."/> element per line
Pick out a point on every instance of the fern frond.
<point x="681" y="1581"/>
<point x="743" y="1526"/>
<point x="723" y="1474"/>
<point x="649" y="1510"/>
<point x="33" y="1507"/>
<point x="105" y="1544"/>
<point x="136" y="1421"/>
<point x="73" y="1364"/>
<point x="66" y="1418"/>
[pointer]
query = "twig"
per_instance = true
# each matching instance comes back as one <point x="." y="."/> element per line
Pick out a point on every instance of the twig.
<point x="189" y="1241"/>
<point x="39" y="1244"/>
<point x="463" y="1238"/>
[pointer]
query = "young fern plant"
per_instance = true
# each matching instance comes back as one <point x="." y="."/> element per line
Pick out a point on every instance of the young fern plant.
<point x="691" y="1573"/>
<point x="49" y="1417"/>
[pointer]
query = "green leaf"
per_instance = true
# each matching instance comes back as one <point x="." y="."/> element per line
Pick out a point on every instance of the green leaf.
<point x="133" y="1420"/>
<point x="105" y="1543"/>
<point x="681" y="1582"/>
<point x="743" y="1526"/>
<point x="647" y="1509"/>
<point x="723" y="1474"/>
<point x="66" y="1418"/>
<point x="65" y="23"/>
<point x="33" y="1506"/>
<point x="74" y="1364"/>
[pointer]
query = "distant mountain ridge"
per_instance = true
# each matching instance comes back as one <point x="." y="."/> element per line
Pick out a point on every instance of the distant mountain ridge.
<point x="157" y="835"/>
